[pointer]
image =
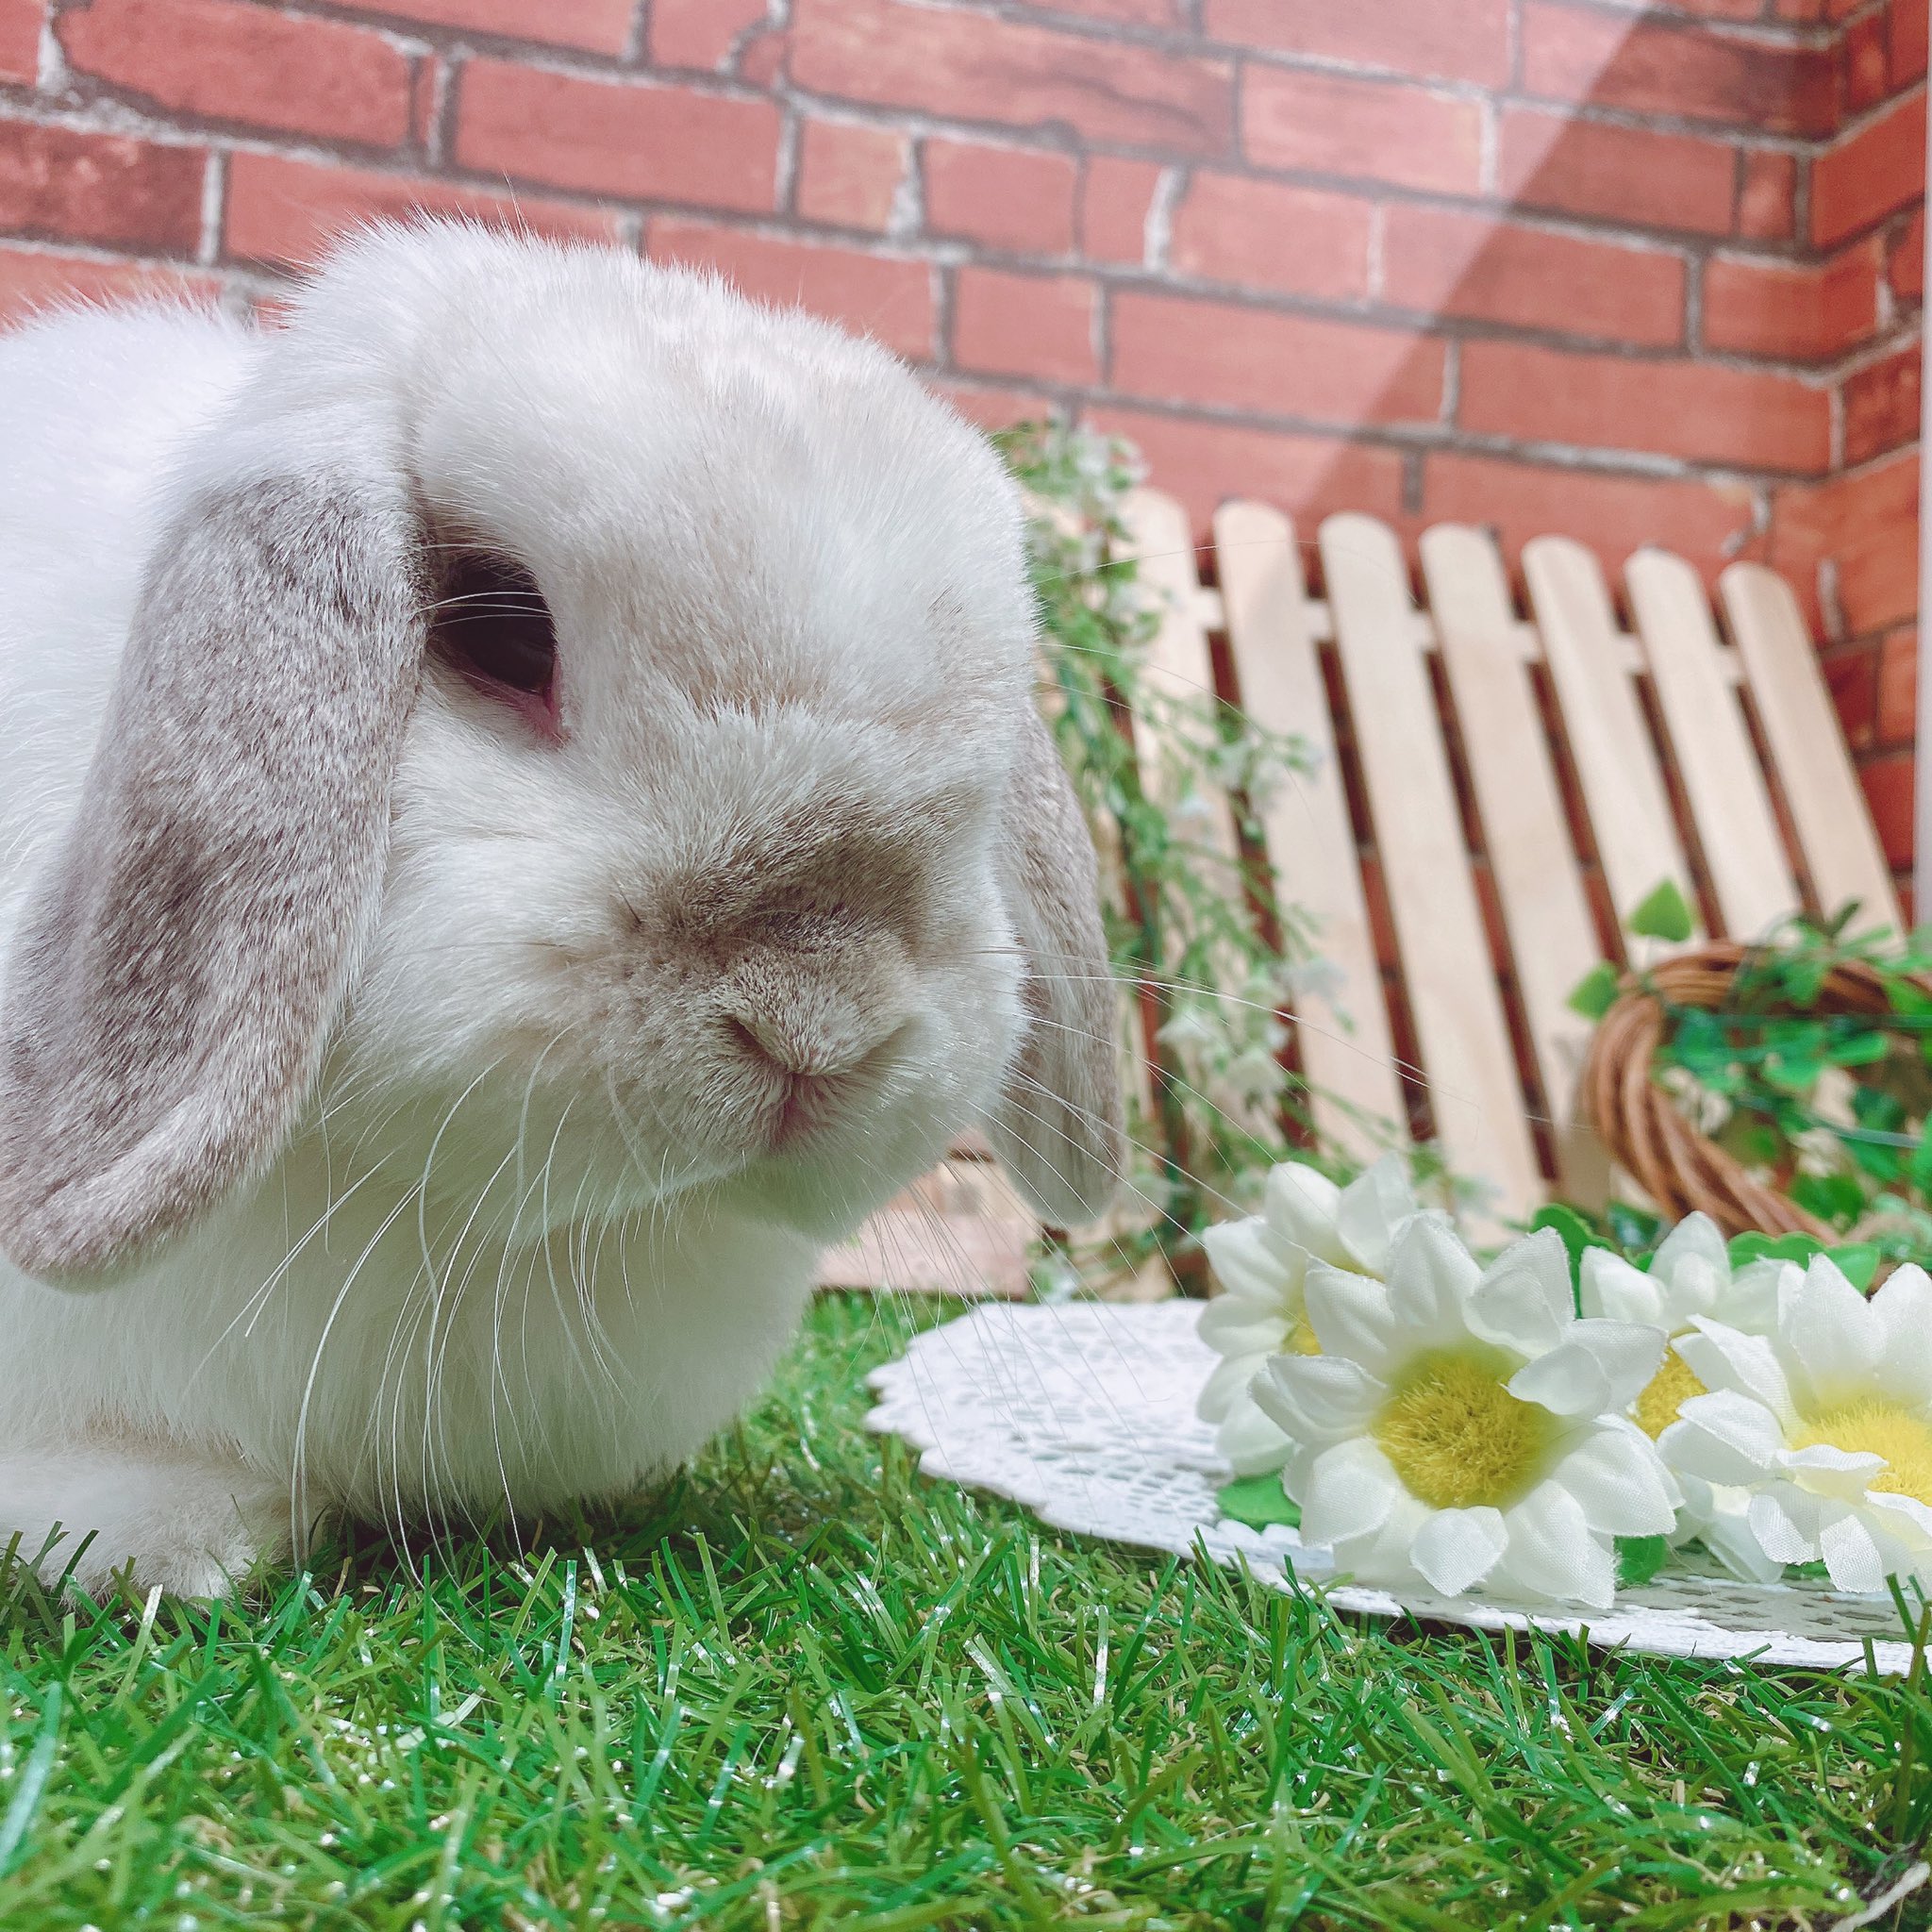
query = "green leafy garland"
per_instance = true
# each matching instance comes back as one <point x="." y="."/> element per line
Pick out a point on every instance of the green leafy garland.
<point x="1213" y="975"/>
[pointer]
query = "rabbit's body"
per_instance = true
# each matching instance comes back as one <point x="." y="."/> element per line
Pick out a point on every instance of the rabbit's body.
<point x="453" y="1077"/>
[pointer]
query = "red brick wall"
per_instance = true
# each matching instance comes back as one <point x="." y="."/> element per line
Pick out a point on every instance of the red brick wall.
<point x="1636" y="272"/>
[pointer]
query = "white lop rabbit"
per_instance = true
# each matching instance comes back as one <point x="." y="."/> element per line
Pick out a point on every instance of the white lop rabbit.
<point x="522" y="817"/>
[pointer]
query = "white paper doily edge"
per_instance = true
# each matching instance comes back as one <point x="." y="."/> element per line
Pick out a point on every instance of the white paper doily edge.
<point x="956" y="1396"/>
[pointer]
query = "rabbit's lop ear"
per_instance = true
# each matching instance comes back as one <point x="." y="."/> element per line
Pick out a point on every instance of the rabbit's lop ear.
<point x="1057" y="1124"/>
<point x="171" y="985"/>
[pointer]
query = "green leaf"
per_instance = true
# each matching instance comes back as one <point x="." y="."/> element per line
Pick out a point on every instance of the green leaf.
<point x="1639" y="1559"/>
<point x="1753" y="1246"/>
<point x="1860" y="1049"/>
<point x="1633" y="1230"/>
<point x="1258" y="1501"/>
<point x="1834" y="1197"/>
<point x="1874" y="1109"/>
<point x="1664" y="915"/>
<point x="1576" y="1233"/>
<point x="1920" y="1172"/>
<point x="1595" y="993"/>
<point x="1857" y="1261"/>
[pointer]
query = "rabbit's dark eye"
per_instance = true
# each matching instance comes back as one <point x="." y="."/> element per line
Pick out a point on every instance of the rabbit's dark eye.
<point x="493" y="622"/>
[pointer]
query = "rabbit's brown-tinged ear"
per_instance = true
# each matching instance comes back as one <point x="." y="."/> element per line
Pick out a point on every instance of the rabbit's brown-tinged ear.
<point x="1057" y="1124"/>
<point x="170" y="990"/>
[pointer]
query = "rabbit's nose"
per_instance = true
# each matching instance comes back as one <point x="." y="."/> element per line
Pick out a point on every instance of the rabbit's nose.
<point x="812" y="1052"/>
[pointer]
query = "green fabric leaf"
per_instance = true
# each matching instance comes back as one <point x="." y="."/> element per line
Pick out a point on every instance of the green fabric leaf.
<point x="1258" y="1501"/>
<point x="1753" y="1246"/>
<point x="1576" y="1234"/>
<point x="1835" y="1197"/>
<point x="1857" y="1261"/>
<point x="1639" y="1559"/>
<point x="1595" y="993"/>
<point x="1663" y="915"/>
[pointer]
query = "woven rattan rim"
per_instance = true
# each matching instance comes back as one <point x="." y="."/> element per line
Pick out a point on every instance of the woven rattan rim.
<point x="1641" y="1127"/>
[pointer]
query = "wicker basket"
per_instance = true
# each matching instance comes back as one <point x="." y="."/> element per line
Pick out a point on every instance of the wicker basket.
<point x="1641" y="1126"/>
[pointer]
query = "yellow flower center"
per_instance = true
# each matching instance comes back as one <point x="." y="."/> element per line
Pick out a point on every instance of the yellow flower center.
<point x="1873" y="1426"/>
<point x="1675" y="1383"/>
<point x="1457" y="1438"/>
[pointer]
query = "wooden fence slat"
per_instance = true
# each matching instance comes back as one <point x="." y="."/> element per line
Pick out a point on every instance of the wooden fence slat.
<point x="1737" y="830"/>
<point x="1486" y="656"/>
<point x="1590" y="664"/>
<point x="1806" y="743"/>
<point x="1180" y="664"/>
<point x="1463" y="1033"/>
<point x="1356" y="1097"/>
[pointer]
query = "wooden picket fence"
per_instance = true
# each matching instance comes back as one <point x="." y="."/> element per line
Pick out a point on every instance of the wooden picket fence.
<point x="1522" y="778"/>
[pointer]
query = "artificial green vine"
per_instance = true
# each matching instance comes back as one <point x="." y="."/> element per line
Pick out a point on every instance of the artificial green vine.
<point x="1216" y="958"/>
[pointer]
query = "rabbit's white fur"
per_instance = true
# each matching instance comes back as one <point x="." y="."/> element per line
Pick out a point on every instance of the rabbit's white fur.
<point x="529" y="1237"/>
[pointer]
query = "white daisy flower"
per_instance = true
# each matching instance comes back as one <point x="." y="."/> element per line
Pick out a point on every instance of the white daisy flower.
<point x="1462" y="1427"/>
<point x="1260" y="1264"/>
<point x="1826" y="1421"/>
<point x="1690" y="1276"/>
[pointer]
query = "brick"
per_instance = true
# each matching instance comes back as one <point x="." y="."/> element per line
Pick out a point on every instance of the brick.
<point x="598" y="26"/>
<point x="700" y="33"/>
<point x="1445" y="40"/>
<point x="1448" y="263"/>
<point x="1898" y="687"/>
<point x="1907" y="50"/>
<point x="108" y="189"/>
<point x="286" y="212"/>
<point x="885" y="297"/>
<point x="1868" y="174"/>
<point x="1851" y="676"/>
<point x="224" y="61"/>
<point x="1214" y="353"/>
<point x="20" y="40"/>
<point x="1863" y="59"/>
<point x="1696" y="411"/>
<point x="1768" y="195"/>
<point x="1115" y="197"/>
<point x="1866" y="525"/>
<point x="32" y="280"/>
<point x="1017" y="199"/>
<point x="977" y="67"/>
<point x="850" y="177"/>
<point x="1793" y="312"/>
<point x="1266" y="235"/>
<point x="1035" y="325"/>
<point x="610" y="136"/>
<point x="1888" y="782"/>
<point x="1637" y="175"/>
<point x="1374" y="130"/>
<point x="1656" y="67"/>
<point x="1904" y="261"/>
<point x="990" y="405"/>
<point x="1204" y="463"/>
<point x="1614" y="515"/>
<point x="763" y="58"/>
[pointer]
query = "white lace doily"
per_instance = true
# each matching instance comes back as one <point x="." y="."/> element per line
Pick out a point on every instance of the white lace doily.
<point x="1085" y="1413"/>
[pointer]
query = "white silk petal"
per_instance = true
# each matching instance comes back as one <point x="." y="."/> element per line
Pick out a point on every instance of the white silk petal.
<point x="1350" y="1317"/>
<point x="1317" y="1398"/>
<point x="1457" y="1548"/>
<point x="1523" y="1301"/>
<point x="1350" y="1491"/>
<point x="1371" y="1211"/>
<point x="1611" y="1287"/>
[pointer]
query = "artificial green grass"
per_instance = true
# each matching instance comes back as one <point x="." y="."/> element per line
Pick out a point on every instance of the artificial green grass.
<point x="810" y="1687"/>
